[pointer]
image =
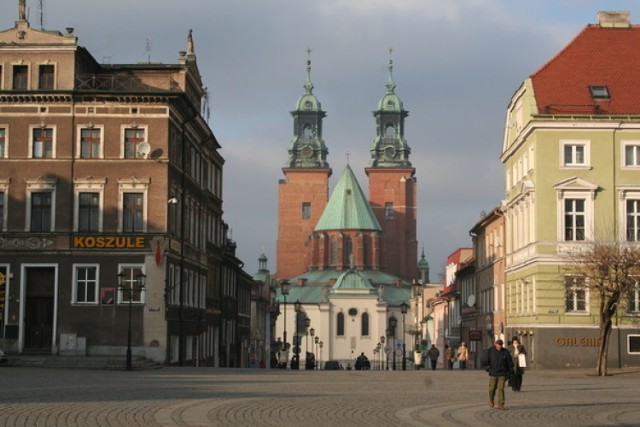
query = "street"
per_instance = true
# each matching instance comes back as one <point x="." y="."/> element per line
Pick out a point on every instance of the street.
<point x="242" y="397"/>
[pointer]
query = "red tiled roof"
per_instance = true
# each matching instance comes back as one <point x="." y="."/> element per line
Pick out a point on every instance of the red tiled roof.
<point x="598" y="56"/>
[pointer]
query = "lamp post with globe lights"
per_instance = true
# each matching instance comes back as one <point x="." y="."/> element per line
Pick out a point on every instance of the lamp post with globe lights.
<point x="404" y="307"/>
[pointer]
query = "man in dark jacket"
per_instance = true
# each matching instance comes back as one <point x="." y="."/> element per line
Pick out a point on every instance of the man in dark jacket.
<point x="497" y="362"/>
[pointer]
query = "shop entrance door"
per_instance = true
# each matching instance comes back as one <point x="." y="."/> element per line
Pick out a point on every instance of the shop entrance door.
<point x="38" y="309"/>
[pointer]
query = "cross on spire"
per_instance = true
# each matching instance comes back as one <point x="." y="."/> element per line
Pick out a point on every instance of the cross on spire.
<point x="348" y="153"/>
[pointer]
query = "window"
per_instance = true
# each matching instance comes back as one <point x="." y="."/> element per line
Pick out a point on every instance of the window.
<point x="46" y="77"/>
<point x="633" y="220"/>
<point x="42" y="143"/>
<point x="133" y="212"/>
<point x="90" y="139"/>
<point x="3" y="141"/>
<point x="41" y="211"/>
<point x="574" y="219"/>
<point x="340" y="325"/>
<point x="89" y="212"/>
<point x="20" y="77"/>
<point x="365" y="325"/>
<point x="133" y="137"/>
<point x="599" y="92"/>
<point x="633" y="303"/>
<point x="306" y="210"/>
<point x="632" y="154"/>
<point x="85" y="284"/>
<point x="131" y="291"/>
<point x="2" y="210"/>
<point x="388" y="210"/>
<point x="575" y="155"/>
<point x="576" y="295"/>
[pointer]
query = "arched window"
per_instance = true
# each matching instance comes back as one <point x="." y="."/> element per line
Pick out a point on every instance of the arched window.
<point x="365" y="325"/>
<point x="365" y="250"/>
<point x="333" y="250"/>
<point x="348" y="251"/>
<point x="340" y="324"/>
<point x="390" y="131"/>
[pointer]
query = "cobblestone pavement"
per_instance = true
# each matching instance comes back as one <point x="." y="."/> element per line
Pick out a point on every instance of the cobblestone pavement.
<point x="243" y="397"/>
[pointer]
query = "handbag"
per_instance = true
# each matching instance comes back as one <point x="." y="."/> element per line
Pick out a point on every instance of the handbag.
<point x="522" y="360"/>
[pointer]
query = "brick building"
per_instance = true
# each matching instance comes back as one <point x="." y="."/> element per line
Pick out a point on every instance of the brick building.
<point x="110" y="174"/>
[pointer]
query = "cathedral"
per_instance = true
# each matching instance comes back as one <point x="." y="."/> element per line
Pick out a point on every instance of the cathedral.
<point x="346" y="262"/>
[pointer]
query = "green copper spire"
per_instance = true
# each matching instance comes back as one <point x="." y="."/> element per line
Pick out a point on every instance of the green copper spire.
<point x="348" y="208"/>
<point x="389" y="148"/>
<point x="307" y="149"/>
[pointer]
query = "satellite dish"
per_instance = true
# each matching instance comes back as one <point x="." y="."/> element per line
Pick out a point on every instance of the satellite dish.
<point x="471" y="300"/>
<point x="144" y="149"/>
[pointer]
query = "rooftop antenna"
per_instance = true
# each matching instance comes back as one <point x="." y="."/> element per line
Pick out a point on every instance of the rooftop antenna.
<point x="41" y="10"/>
<point x="147" y="47"/>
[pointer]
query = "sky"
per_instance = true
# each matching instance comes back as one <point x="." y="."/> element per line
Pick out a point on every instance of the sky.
<point x="456" y="65"/>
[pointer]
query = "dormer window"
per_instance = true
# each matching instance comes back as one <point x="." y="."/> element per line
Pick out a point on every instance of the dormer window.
<point x="599" y="92"/>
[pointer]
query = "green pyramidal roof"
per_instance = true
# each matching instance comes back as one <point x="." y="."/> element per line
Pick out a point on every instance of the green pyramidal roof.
<point x="348" y="209"/>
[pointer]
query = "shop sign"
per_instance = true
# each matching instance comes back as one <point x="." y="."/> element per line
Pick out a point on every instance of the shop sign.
<point x="475" y="335"/>
<point x="577" y="342"/>
<point x="108" y="242"/>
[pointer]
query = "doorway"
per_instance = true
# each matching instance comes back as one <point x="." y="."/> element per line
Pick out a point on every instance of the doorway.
<point x="39" y="301"/>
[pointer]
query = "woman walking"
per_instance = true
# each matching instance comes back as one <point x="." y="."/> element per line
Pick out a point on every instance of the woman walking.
<point x="519" y="357"/>
<point x="463" y="355"/>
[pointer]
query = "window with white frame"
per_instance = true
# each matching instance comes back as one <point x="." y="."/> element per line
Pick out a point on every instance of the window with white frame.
<point x="631" y="153"/>
<point x="41" y="204"/>
<point x="90" y="143"/>
<point x="20" y="77"/>
<point x="88" y="204"/>
<point x="46" y="77"/>
<point x="574" y="219"/>
<point x="575" y="153"/>
<point x="3" y="141"/>
<point x="576" y="295"/>
<point x="133" y="205"/>
<point x="633" y="299"/>
<point x="42" y="143"/>
<point x="131" y="286"/>
<point x="132" y="138"/>
<point x="632" y="220"/>
<point x="306" y="210"/>
<point x="85" y="283"/>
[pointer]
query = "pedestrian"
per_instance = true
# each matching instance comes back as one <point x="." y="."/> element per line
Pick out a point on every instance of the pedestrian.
<point x="463" y="355"/>
<point x="497" y="362"/>
<point x="450" y="354"/>
<point x="519" y="359"/>
<point x="361" y="362"/>
<point x="433" y="355"/>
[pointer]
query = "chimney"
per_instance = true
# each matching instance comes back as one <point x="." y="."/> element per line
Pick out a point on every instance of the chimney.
<point x="614" y="19"/>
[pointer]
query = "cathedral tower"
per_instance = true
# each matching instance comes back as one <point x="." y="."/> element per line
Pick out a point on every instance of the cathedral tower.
<point x="304" y="191"/>
<point x="392" y="185"/>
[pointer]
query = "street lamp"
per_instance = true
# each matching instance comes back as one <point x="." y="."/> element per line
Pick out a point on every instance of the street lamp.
<point x="312" y="332"/>
<point x="296" y="341"/>
<point x="386" y="352"/>
<point x="316" y="340"/>
<point x="393" y="322"/>
<point x="284" y="290"/>
<point x="404" y="307"/>
<point x="307" y="323"/>
<point x="321" y="344"/>
<point x="124" y="283"/>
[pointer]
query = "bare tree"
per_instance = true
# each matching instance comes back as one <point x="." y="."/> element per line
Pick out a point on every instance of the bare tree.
<point x="610" y="270"/>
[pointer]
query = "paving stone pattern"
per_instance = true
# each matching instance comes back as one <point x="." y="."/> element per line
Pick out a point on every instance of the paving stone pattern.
<point x="243" y="397"/>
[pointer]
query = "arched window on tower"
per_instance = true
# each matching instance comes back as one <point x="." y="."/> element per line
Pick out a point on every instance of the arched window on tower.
<point x="340" y="325"/>
<point x="307" y="131"/>
<point x="389" y="132"/>
<point x="365" y="250"/>
<point x="333" y="250"/>
<point x="364" y="328"/>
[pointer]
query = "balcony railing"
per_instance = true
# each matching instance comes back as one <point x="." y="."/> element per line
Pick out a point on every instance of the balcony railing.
<point x="122" y="83"/>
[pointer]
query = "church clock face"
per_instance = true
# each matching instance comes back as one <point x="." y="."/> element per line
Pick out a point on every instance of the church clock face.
<point x="390" y="152"/>
<point x="307" y="151"/>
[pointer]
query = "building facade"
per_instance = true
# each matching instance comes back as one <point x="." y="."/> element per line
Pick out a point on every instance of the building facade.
<point x="110" y="204"/>
<point x="572" y="177"/>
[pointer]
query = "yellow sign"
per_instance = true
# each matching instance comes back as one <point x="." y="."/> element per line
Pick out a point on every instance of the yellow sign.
<point x="109" y="242"/>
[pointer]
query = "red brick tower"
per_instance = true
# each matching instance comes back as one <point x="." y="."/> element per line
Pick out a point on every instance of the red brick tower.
<point x="304" y="192"/>
<point x="392" y="186"/>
